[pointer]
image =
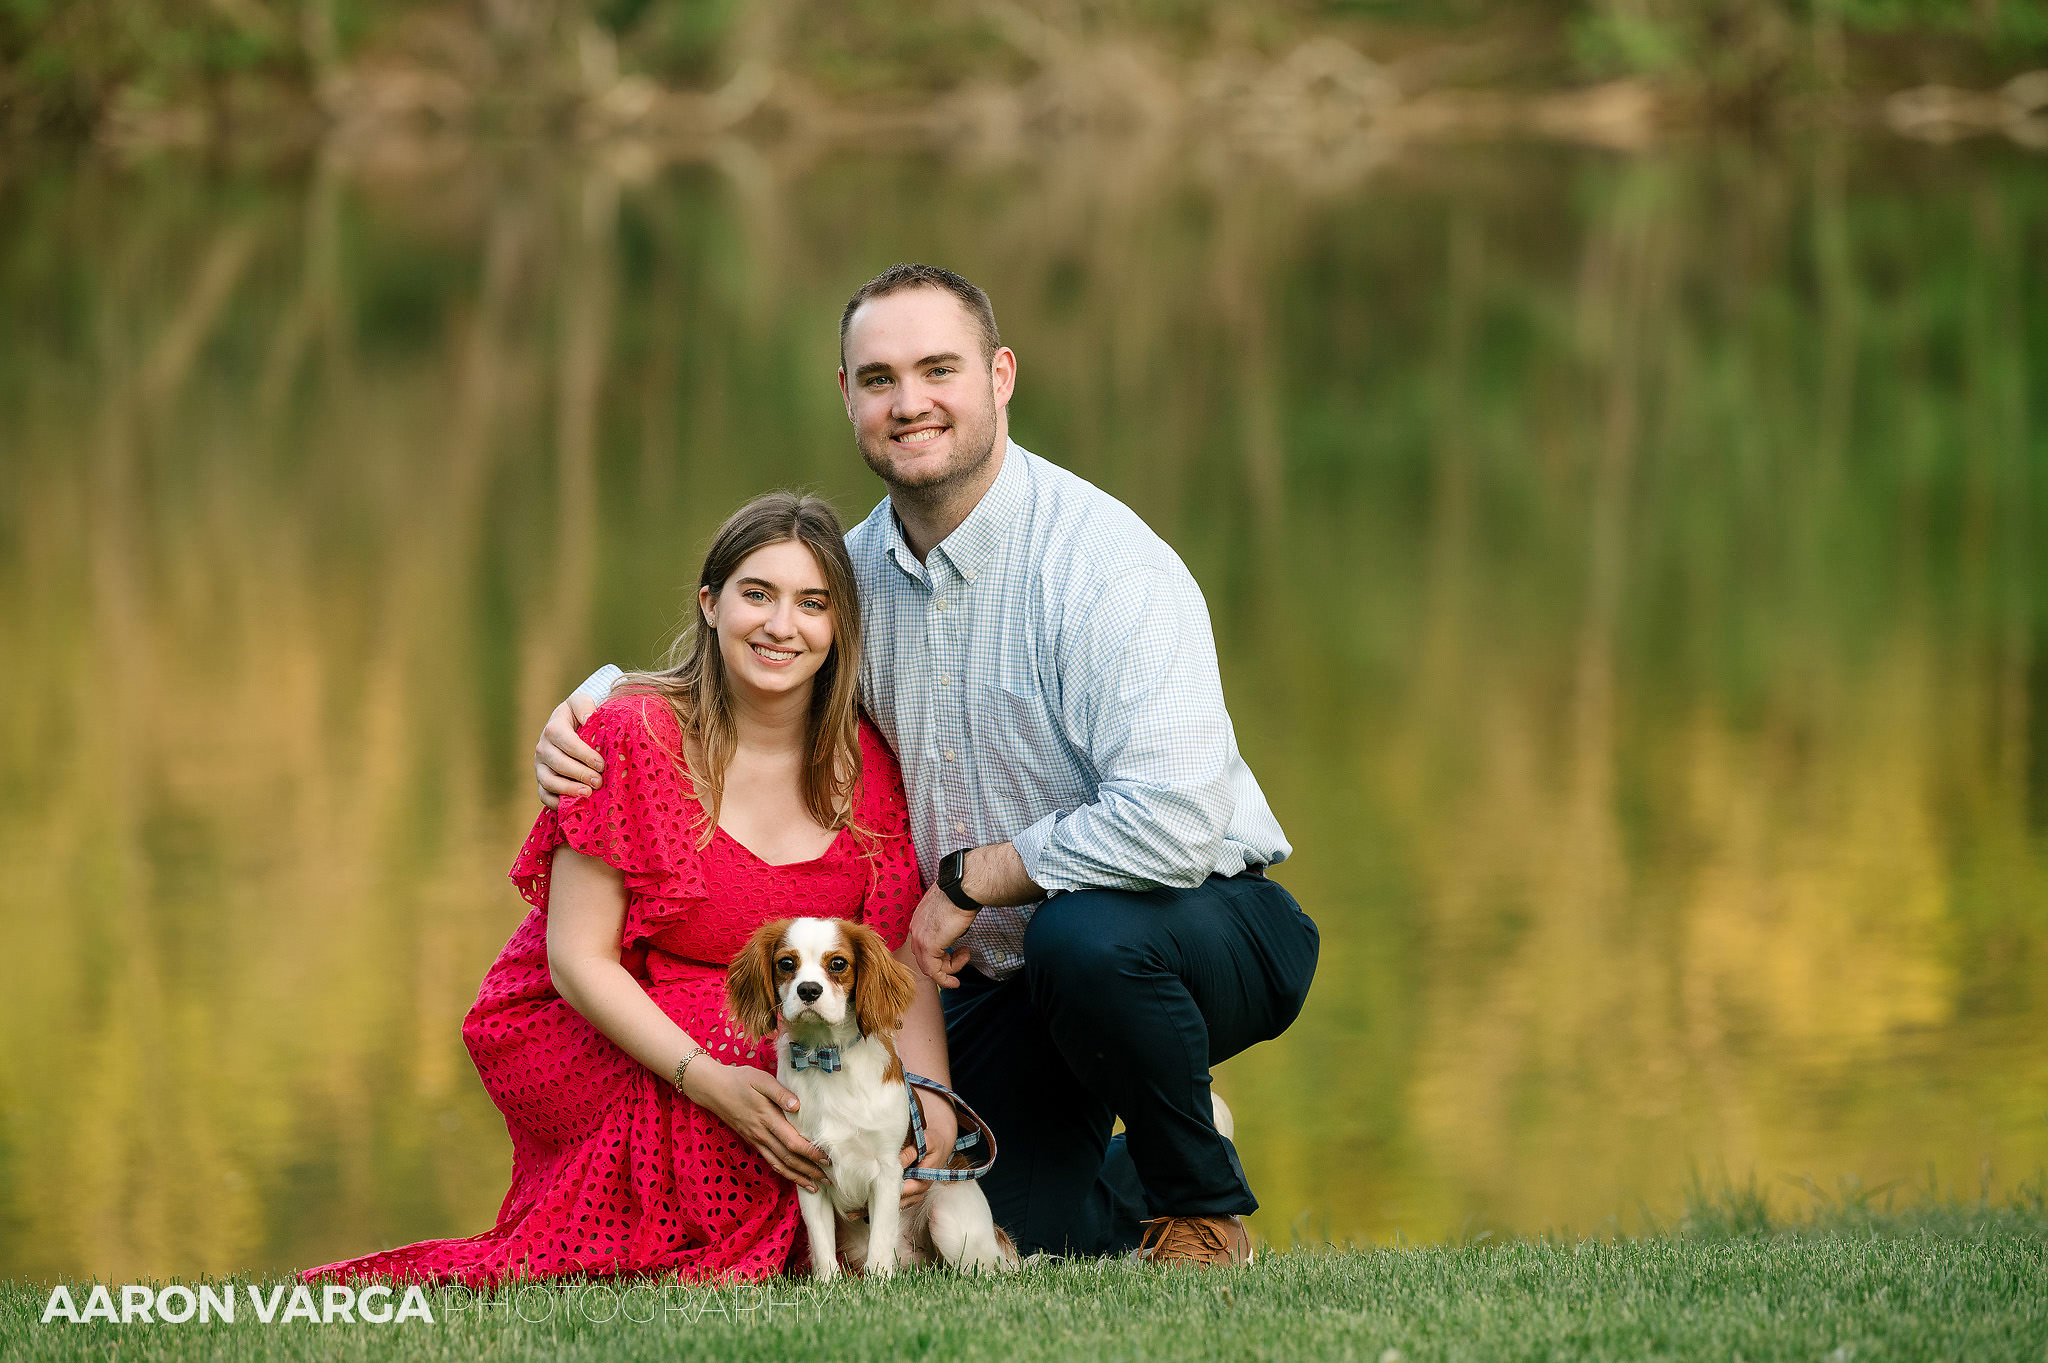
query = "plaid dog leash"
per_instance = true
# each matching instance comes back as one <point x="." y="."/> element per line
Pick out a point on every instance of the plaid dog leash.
<point x="976" y="1132"/>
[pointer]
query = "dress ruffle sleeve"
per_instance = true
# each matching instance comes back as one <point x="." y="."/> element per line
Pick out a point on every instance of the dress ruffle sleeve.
<point x="642" y="820"/>
<point x="894" y="885"/>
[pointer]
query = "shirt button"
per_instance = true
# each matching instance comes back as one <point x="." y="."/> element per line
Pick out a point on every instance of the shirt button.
<point x="940" y="604"/>
<point x="949" y="754"/>
<point x="944" y="679"/>
<point x="961" y="829"/>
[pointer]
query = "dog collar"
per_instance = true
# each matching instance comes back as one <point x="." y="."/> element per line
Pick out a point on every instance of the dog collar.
<point x="802" y="1057"/>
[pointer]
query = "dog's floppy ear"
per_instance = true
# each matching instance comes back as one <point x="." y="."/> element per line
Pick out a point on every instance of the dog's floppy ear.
<point x="750" y="981"/>
<point x="883" y="987"/>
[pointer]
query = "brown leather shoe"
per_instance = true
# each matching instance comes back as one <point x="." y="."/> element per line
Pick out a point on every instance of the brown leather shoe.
<point x="1200" y="1241"/>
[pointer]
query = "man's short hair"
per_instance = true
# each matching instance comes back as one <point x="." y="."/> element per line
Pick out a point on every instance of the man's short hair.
<point x="911" y="276"/>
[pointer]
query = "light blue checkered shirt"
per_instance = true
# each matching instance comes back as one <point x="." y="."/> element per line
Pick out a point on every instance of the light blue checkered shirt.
<point x="1048" y="678"/>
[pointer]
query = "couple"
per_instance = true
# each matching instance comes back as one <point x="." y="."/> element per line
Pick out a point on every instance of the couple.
<point x="1098" y="918"/>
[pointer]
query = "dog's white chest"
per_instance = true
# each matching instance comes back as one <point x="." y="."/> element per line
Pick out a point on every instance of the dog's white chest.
<point x="859" y="1118"/>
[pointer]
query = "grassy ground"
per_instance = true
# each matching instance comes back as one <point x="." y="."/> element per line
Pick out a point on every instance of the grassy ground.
<point x="1953" y="1281"/>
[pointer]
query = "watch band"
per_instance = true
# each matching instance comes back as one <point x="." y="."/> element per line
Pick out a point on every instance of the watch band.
<point x="951" y="868"/>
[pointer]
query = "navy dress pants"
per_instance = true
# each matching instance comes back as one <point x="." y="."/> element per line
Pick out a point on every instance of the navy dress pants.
<point x="1125" y="1000"/>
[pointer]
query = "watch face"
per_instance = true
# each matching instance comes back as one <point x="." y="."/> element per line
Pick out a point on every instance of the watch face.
<point x="950" y="872"/>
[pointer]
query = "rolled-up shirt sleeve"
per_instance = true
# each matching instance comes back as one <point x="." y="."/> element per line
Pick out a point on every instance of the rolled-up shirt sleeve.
<point x="598" y="685"/>
<point x="1141" y="699"/>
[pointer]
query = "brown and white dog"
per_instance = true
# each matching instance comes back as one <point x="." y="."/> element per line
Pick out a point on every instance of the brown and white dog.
<point x="836" y="989"/>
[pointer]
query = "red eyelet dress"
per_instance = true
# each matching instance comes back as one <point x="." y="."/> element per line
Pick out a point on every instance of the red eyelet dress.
<point x="613" y="1171"/>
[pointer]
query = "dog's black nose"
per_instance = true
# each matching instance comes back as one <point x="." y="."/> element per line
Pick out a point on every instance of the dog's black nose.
<point x="809" y="991"/>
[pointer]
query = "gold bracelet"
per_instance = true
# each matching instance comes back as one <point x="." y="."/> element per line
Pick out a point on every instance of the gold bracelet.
<point x="684" y="1064"/>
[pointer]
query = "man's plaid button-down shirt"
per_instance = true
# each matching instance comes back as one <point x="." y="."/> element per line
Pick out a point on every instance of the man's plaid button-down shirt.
<point x="1048" y="678"/>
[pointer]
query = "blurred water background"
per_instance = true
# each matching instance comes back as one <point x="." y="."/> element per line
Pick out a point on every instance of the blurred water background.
<point x="1626" y="565"/>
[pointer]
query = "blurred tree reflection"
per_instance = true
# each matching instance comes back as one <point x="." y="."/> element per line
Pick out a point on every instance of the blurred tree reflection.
<point x="1624" y="575"/>
<point x="188" y="71"/>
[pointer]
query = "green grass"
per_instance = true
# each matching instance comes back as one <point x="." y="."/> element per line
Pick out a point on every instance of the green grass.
<point x="1727" y="1281"/>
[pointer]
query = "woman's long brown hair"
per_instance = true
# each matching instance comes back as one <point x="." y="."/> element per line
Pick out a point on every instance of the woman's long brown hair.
<point x="693" y="680"/>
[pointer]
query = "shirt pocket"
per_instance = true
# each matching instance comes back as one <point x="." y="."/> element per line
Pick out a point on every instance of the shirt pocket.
<point x="1024" y="754"/>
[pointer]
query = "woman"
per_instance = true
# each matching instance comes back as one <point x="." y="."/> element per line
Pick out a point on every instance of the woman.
<point x="739" y="786"/>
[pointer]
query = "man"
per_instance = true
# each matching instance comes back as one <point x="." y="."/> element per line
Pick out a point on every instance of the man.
<point x="1096" y="849"/>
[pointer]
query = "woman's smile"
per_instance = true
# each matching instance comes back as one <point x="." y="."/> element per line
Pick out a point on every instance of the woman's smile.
<point x="774" y="657"/>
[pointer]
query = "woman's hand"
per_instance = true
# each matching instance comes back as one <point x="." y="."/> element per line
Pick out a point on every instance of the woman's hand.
<point x="941" y="1130"/>
<point x="921" y="1043"/>
<point x="753" y="1104"/>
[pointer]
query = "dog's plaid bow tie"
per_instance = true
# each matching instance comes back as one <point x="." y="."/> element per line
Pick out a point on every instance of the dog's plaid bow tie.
<point x="824" y="1058"/>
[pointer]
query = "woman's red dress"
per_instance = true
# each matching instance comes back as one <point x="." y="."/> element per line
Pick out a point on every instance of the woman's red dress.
<point x="613" y="1171"/>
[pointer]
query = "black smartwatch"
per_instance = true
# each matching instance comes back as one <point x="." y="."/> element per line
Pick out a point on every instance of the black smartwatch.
<point x="951" y="867"/>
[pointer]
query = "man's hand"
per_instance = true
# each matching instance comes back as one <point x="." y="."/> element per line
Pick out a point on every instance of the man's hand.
<point x="941" y="1130"/>
<point x="563" y="763"/>
<point x="936" y="925"/>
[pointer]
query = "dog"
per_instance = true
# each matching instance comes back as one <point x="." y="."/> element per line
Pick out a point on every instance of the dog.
<point x="839" y="997"/>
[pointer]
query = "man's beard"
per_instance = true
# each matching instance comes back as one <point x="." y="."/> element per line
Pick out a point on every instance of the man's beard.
<point x="973" y="446"/>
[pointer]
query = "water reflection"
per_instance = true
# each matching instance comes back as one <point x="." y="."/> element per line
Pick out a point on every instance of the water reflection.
<point x="1624" y="573"/>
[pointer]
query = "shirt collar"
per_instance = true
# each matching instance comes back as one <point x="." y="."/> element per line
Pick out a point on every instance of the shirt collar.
<point x="975" y="538"/>
<point x="970" y="545"/>
<point x="897" y="547"/>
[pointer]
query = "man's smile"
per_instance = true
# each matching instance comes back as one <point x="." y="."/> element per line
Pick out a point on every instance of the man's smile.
<point x="918" y="436"/>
